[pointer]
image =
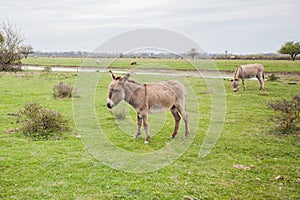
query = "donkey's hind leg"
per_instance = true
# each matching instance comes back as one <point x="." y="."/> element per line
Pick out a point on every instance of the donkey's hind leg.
<point x="139" y="123"/>
<point x="146" y="127"/>
<point x="177" y="121"/>
<point x="260" y="78"/>
<point x="182" y="111"/>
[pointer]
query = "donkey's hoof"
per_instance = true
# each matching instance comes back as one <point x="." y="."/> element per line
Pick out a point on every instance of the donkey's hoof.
<point x="146" y="142"/>
<point x="136" y="136"/>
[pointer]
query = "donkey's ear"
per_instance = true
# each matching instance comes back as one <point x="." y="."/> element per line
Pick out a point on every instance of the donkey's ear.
<point x="125" y="77"/>
<point x="114" y="77"/>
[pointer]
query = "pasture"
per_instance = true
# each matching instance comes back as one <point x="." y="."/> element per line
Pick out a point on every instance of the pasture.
<point x="65" y="168"/>
<point x="229" y="65"/>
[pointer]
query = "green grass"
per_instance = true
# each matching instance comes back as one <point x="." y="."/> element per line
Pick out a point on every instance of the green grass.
<point x="270" y="65"/>
<point x="64" y="169"/>
<point x="48" y="61"/>
<point x="229" y="65"/>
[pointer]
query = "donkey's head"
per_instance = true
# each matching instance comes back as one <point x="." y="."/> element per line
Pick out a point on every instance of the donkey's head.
<point x="235" y="84"/>
<point x="116" y="91"/>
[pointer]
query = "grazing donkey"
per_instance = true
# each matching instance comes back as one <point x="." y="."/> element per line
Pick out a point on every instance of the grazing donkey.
<point x="248" y="71"/>
<point x="133" y="63"/>
<point x="150" y="98"/>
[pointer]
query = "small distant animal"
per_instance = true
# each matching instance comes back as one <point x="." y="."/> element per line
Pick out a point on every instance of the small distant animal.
<point x="133" y="63"/>
<point x="248" y="71"/>
<point x="150" y="98"/>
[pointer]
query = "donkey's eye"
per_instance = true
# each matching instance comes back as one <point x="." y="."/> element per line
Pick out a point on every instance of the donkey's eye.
<point x="116" y="90"/>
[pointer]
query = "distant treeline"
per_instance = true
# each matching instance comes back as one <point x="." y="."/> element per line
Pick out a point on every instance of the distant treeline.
<point x="83" y="54"/>
<point x="270" y="56"/>
<point x="78" y="54"/>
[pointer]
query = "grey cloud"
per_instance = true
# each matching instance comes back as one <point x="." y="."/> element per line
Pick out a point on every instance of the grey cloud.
<point x="216" y="23"/>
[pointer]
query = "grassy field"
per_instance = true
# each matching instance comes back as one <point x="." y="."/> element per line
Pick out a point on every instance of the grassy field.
<point x="65" y="169"/>
<point x="270" y="65"/>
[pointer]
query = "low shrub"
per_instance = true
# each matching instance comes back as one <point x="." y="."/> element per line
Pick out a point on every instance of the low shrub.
<point x="288" y="117"/>
<point x="38" y="122"/>
<point x="47" y="69"/>
<point x="273" y="77"/>
<point x="63" y="90"/>
<point x="11" y="68"/>
<point x="119" y="113"/>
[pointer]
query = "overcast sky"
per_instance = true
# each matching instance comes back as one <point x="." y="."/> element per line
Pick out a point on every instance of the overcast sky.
<point x="239" y="26"/>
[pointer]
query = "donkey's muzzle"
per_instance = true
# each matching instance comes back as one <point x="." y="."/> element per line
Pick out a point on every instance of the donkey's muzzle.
<point x="109" y="105"/>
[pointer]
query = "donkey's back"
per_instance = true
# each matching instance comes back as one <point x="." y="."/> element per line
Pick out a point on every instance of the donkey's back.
<point x="164" y="95"/>
<point x="251" y="70"/>
<point x="176" y="87"/>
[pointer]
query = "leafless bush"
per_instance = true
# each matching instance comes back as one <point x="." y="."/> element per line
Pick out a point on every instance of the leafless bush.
<point x="288" y="117"/>
<point x="273" y="77"/>
<point x="62" y="90"/>
<point x="38" y="122"/>
<point x="47" y="69"/>
<point x="119" y="113"/>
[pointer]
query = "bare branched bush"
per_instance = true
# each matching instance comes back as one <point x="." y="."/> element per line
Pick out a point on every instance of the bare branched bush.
<point x="288" y="117"/>
<point x="273" y="77"/>
<point x="38" y="122"/>
<point x="47" y="69"/>
<point x="119" y="113"/>
<point x="63" y="90"/>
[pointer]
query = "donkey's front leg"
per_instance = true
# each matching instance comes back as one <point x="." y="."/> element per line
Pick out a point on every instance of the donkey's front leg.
<point x="139" y="123"/>
<point x="146" y="127"/>
<point x="243" y="82"/>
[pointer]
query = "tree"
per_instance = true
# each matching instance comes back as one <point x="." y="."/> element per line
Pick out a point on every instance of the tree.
<point x="291" y="48"/>
<point x="226" y="53"/>
<point x="193" y="53"/>
<point x="11" y="48"/>
<point x="26" y="50"/>
<point x="1" y="39"/>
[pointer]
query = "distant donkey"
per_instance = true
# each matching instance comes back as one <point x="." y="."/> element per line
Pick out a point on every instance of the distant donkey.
<point x="150" y="98"/>
<point x="248" y="71"/>
<point x="133" y="63"/>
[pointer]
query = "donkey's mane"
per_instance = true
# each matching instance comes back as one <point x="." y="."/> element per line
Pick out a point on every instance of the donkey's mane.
<point x="133" y="81"/>
<point x="236" y="71"/>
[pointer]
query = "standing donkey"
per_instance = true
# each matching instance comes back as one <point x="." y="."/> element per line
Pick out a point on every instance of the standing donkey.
<point x="150" y="98"/>
<point x="248" y="71"/>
